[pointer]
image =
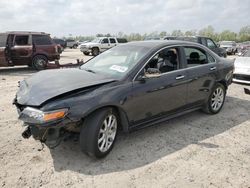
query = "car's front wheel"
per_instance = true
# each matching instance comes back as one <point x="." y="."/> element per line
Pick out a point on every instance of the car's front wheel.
<point x="98" y="134"/>
<point x="216" y="99"/>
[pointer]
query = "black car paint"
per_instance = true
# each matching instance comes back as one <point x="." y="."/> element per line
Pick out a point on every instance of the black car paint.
<point x="138" y="102"/>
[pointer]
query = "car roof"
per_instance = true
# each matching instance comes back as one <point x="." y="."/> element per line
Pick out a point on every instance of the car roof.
<point x="25" y="33"/>
<point x="160" y="43"/>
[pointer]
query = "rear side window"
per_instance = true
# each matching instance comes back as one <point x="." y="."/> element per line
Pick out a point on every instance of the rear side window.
<point x="210" y="44"/>
<point x="211" y="59"/>
<point x="21" y="40"/>
<point x="195" y="56"/>
<point x="204" y="41"/>
<point x="112" y="40"/>
<point x="3" y="39"/>
<point x="41" y="40"/>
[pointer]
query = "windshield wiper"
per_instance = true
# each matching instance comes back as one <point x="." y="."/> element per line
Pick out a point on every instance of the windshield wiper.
<point x="89" y="70"/>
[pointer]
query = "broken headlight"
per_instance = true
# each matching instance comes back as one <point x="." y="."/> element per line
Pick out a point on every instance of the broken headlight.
<point x="35" y="116"/>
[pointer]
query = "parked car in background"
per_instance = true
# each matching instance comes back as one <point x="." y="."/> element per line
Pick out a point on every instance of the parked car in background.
<point x="100" y="44"/>
<point x="126" y="88"/>
<point x="242" y="68"/>
<point x="61" y="44"/>
<point x="208" y="42"/>
<point x="229" y="46"/>
<point x="152" y="38"/>
<point x="34" y="49"/>
<point x="169" y="38"/>
<point x="72" y="43"/>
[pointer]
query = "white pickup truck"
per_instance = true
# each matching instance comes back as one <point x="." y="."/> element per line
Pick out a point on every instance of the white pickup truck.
<point x="100" y="44"/>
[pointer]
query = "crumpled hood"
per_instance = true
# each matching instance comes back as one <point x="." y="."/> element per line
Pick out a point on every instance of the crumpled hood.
<point x="51" y="83"/>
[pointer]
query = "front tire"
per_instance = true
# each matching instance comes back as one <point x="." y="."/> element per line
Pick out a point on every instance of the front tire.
<point x="86" y="53"/>
<point x="95" y="51"/>
<point x="39" y="62"/>
<point x="216" y="99"/>
<point x="98" y="134"/>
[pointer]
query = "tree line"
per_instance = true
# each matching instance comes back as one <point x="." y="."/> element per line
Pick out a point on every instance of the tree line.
<point x="209" y="31"/>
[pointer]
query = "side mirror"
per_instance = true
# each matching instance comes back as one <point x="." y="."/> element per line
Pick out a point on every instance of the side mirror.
<point x="153" y="71"/>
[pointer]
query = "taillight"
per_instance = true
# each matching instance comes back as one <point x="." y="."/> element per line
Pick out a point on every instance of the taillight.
<point x="56" y="48"/>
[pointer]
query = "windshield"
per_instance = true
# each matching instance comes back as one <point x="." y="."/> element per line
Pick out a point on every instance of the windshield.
<point x="117" y="61"/>
<point x="226" y="43"/>
<point x="96" y="40"/>
<point x="3" y="39"/>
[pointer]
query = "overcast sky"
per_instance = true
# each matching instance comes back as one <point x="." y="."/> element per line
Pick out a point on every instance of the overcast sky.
<point x="79" y="17"/>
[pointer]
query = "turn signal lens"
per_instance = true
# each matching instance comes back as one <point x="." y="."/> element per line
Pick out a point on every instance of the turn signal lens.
<point x="54" y="115"/>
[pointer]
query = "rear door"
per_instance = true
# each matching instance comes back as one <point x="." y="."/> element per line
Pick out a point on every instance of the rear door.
<point x="112" y="42"/>
<point x="21" y="50"/>
<point x="3" y="43"/>
<point x="202" y="74"/>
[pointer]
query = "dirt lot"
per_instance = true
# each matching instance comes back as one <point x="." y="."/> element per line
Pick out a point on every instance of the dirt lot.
<point x="195" y="150"/>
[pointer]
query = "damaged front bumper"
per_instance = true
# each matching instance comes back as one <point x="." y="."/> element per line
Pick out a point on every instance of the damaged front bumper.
<point x="46" y="126"/>
<point x="51" y="135"/>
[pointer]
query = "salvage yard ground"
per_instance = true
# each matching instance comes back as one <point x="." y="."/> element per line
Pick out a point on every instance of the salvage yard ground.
<point x="195" y="150"/>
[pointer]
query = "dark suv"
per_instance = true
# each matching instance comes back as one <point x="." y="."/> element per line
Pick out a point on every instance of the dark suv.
<point x="34" y="49"/>
<point x="208" y="42"/>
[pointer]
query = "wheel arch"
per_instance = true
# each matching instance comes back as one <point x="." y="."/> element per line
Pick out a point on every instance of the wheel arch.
<point x="42" y="54"/>
<point x="224" y="83"/>
<point x="121" y="113"/>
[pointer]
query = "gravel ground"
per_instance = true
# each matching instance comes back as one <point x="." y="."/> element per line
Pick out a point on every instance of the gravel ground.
<point x="194" y="150"/>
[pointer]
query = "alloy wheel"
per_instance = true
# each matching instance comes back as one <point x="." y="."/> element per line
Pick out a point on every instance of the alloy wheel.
<point x="107" y="133"/>
<point x="217" y="99"/>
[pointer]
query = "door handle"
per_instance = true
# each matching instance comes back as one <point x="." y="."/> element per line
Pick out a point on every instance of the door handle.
<point x="180" y="77"/>
<point x="213" y="68"/>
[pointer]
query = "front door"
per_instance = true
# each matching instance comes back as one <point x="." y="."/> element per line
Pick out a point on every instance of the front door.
<point x="104" y="44"/>
<point x="163" y="90"/>
<point x="21" y="50"/>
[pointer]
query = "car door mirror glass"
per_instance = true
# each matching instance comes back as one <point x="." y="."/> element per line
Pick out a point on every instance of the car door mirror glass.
<point x="153" y="71"/>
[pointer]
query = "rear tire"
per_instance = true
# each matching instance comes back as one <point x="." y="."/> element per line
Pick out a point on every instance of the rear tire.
<point x="75" y="46"/>
<point x="39" y="62"/>
<point x="86" y="53"/>
<point x="216" y="99"/>
<point x="98" y="133"/>
<point x="95" y="51"/>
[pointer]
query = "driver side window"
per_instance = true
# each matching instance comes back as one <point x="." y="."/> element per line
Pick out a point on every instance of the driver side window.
<point x="105" y="41"/>
<point x="164" y="61"/>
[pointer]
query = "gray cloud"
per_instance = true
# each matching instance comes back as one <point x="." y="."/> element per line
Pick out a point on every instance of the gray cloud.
<point x="77" y="17"/>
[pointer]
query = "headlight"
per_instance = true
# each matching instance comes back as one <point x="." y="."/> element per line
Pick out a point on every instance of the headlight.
<point x="32" y="115"/>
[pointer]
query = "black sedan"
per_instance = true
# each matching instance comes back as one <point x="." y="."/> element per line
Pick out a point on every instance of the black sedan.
<point x="125" y="88"/>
